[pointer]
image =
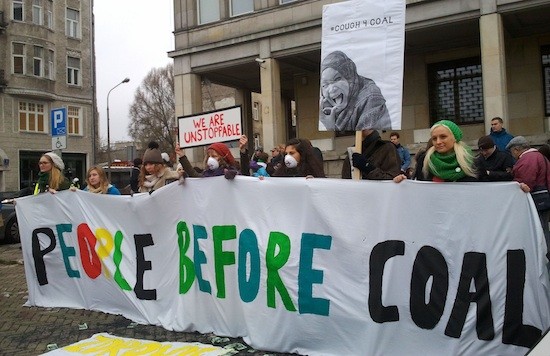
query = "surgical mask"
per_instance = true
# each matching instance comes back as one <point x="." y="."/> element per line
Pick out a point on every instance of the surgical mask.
<point x="291" y="162"/>
<point x="212" y="163"/>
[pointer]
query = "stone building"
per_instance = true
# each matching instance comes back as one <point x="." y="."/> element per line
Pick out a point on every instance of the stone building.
<point x="495" y="55"/>
<point x="46" y="62"/>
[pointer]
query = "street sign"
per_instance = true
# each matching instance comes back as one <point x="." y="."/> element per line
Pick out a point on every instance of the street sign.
<point x="59" y="122"/>
<point x="59" y="142"/>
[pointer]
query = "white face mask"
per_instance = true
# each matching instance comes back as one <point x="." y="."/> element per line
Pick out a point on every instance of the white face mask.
<point x="290" y="162"/>
<point x="212" y="163"/>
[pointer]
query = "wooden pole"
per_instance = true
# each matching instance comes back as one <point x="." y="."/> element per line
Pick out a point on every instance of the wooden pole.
<point x="356" y="174"/>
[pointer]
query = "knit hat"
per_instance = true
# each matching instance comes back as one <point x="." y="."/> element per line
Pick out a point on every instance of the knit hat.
<point x="152" y="154"/>
<point x="517" y="141"/>
<point x="57" y="161"/>
<point x="455" y="130"/>
<point x="485" y="143"/>
<point x="224" y="152"/>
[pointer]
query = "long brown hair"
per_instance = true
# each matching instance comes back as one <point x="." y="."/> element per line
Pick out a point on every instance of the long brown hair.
<point x="103" y="182"/>
<point x="309" y="164"/>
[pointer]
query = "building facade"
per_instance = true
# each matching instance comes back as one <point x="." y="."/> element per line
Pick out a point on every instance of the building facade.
<point x="46" y="62"/>
<point x="465" y="60"/>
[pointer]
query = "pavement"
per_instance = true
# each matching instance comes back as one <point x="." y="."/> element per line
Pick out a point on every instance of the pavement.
<point x="35" y="330"/>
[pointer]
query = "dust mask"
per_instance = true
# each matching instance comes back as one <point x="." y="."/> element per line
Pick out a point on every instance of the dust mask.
<point x="290" y="162"/>
<point x="212" y="163"/>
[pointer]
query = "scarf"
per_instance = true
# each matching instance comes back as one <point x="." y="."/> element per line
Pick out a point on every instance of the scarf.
<point x="95" y="190"/>
<point x="446" y="167"/>
<point x="150" y="181"/>
<point x="43" y="179"/>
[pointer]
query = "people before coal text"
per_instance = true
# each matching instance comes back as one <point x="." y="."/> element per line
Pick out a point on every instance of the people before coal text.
<point x="449" y="159"/>
<point x="154" y="174"/>
<point x="218" y="162"/>
<point x="51" y="178"/>
<point x="300" y="160"/>
<point x="96" y="182"/>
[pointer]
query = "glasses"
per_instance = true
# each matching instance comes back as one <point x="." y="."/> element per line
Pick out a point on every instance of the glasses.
<point x="42" y="163"/>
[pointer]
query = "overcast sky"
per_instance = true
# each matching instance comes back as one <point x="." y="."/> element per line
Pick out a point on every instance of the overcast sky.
<point x="132" y="37"/>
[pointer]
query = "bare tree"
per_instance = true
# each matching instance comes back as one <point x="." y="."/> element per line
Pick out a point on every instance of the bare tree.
<point x="152" y="114"/>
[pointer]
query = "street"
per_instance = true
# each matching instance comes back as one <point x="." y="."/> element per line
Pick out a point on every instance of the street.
<point x="35" y="330"/>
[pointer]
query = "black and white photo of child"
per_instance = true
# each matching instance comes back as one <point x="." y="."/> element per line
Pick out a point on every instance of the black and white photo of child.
<point x="349" y="101"/>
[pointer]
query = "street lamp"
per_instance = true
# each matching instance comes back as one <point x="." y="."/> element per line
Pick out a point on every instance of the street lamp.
<point x="126" y="80"/>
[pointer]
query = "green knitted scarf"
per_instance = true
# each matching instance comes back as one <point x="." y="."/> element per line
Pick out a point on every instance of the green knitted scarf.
<point x="446" y="167"/>
<point x="43" y="179"/>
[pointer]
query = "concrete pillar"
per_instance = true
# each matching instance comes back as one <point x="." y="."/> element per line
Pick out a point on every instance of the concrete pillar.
<point x="273" y="117"/>
<point x="187" y="86"/>
<point x="493" y="63"/>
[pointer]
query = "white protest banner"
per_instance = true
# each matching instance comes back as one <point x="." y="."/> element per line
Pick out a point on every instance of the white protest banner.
<point x="209" y="127"/>
<point x="362" y="51"/>
<point x="313" y="266"/>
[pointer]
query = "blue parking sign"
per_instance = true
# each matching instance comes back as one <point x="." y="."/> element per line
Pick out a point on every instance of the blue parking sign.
<point x="59" y="121"/>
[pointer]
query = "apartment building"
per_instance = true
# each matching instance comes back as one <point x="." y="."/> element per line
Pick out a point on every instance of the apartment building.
<point x="46" y="62"/>
<point x="465" y="60"/>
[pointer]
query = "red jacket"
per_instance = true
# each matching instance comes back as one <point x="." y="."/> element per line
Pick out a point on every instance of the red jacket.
<point x="533" y="169"/>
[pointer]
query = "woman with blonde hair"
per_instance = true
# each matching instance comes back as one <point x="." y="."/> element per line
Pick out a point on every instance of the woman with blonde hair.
<point x="51" y="177"/>
<point x="449" y="159"/>
<point x="97" y="182"/>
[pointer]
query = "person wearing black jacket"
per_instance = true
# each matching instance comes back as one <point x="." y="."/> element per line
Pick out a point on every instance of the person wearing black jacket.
<point x="134" y="176"/>
<point x="492" y="164"/>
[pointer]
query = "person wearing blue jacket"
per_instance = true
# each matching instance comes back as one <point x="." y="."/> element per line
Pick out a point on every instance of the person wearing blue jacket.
<point x="404" y="154"/>
<point x="499" y="134"/>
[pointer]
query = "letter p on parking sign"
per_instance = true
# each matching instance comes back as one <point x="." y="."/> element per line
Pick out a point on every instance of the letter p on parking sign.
<point x="59" y="121"/>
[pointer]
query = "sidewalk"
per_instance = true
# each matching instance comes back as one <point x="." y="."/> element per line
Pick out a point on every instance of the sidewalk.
<point x="33" y="330"/>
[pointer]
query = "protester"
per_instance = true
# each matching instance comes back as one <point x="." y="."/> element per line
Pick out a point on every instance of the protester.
<point x="97" y="182"/>
<point x="545" y="150"/>
<point x="449" y="159"/>
<point x="532" y="171"/>
<point x="277" y="159"/>
<point x="300" y="160"/>
<point x="166" y="159"/>
<point x="493" y="164"/>
<point x="419" y="158"/>
<point x="219" y="162"/>
<point x="499" y="134"/>
<point x="134" y="175"/>
<point x="50" y="177"/>
<point x="260" y="168"/>
<point x="154" y="173"/>
<point x="403" y="152"/>
<point x="378" y="159"/>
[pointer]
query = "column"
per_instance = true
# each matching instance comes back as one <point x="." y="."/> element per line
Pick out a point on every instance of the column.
<point x="273" y="118"/>
<point x="493" y="63"/>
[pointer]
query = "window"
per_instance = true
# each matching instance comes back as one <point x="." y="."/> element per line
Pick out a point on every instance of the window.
<point x="72" y="22"/>
<point x="31" y="117"/>
<point x="73" y="70"/>
<point x="18" y="10"/>
<point x="456" y="91"/>
<point x="545" y="54"/>
<point x="285" y="1"/>
<point x="49" y="19"/>
<point x="18" y="58"/>
<point x="36" y="12"/>
<point x="209" y="11"/>
<point x="37" y="61"/>
<point x="256" y="110"/>
<point x="74" y="120"/>
<point x="50" y="69"/>
<point x="239" y="7"/>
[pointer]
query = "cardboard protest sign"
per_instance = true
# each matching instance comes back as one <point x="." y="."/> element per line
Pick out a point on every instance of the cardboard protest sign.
<point x="209" y="127"/>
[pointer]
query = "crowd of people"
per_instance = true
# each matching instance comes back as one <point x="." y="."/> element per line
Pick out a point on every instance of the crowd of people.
<point x="446" y="158"/>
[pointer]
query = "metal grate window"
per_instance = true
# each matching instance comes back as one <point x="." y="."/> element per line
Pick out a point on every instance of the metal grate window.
<point x="456" y="91"/>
